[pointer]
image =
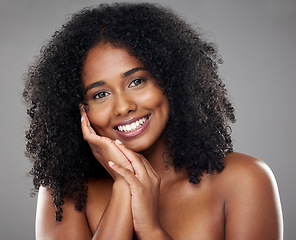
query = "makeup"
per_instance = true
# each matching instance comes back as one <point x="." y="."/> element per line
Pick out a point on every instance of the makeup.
<point x="133" y="127"/>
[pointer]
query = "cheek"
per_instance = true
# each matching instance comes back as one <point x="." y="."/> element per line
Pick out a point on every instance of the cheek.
<point x="154" y="99"/>
<point x="99" y="119"/>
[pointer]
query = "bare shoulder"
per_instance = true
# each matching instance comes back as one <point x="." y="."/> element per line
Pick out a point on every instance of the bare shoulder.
<point x="73" y="225"/>
<point x="252" y="202"/>
<point x="245" y="167"/>
<point x="244" y="174"/>
<point x="241" y="160"/>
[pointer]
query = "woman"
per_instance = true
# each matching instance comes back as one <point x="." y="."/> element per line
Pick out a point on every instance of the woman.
<point x="130" y="135"/>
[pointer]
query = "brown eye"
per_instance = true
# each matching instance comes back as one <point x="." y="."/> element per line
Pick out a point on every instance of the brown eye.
<point x="136" y="82"/>
<point x="100" y="95"/>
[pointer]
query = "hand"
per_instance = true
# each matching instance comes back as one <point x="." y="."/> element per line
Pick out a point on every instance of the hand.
<point x="144" y="186"/>
<point x="103" y="148"/>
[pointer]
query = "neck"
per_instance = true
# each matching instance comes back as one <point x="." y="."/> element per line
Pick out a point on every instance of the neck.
<point x="160" y="160"/>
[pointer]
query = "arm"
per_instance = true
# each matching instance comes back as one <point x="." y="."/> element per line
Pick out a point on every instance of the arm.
<point x="74" y="225"/>
<point x="116" y="220"/>
<point x="252" y="206"/>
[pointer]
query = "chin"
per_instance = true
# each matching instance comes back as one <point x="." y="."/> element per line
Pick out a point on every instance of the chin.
<point x="137" y="147"/>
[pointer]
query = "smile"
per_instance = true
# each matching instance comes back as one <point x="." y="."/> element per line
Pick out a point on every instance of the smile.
<point x="133" y="126"/>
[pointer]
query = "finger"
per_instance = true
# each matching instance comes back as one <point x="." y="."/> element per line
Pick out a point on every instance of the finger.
<point x="100" y="143"/>
<point x="88" y="130"/>
<point x="85" y="121"/>
<point x="117" y="155"/>
<point x="134" y="158"/>
<point x="128" y="175"/>
<point x="88" y="133"/>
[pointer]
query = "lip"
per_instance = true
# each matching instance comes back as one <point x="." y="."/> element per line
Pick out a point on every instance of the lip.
<point x="130" y="121"/>
<point x="135" y="132"/>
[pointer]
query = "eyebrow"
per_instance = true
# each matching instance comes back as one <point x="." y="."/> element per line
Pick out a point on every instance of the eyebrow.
<point x="130" y="72"/>
<point x="93" y="85"/>
<point x="101" y="82"/>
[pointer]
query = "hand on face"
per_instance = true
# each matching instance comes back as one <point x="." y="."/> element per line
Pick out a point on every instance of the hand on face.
<point x="143" y="181"/>
<point x="123" y="97"/>
<point x="126" y="103"/>
<point x="103" y="148"/>
<point x="144" y="186"/>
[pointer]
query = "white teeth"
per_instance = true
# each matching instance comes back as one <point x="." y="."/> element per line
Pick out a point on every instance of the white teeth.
<point x="133" y="126"/>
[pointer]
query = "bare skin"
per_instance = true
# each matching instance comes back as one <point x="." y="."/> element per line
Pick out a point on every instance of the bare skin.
<point x="143" y="199"/>
<point x="242" y="202"/>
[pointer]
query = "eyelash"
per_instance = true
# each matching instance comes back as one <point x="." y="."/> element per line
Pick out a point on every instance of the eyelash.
<point x="142" y="80"/>
<point x="139" y="80"/>
<point x="97" y="95"/>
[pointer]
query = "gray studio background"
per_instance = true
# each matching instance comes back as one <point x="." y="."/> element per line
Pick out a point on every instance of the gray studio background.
<point x="257" y="41"/>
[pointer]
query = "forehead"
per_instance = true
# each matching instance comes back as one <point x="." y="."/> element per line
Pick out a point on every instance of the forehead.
<point x="105" y="61"/>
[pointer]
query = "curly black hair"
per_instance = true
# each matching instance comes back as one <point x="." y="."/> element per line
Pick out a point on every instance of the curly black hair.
<point x="185" y="66"/>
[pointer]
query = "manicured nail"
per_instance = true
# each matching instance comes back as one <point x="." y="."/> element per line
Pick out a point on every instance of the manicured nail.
<point x="118" y="141"/>
<point x="111" y="163"/>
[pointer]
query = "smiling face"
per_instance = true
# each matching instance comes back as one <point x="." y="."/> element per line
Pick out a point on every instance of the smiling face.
<point x="124" y="100"/>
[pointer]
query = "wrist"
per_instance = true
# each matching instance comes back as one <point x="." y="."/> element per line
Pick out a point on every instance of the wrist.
<point x="120" y="185"/>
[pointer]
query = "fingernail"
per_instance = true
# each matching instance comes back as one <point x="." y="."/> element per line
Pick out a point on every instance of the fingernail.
<point x="118" y="141"/>
<point x="111" y="163"/>
<point x="81" y="118"/>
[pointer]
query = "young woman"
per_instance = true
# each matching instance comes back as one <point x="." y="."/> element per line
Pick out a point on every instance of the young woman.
<point x="130" y="135"/>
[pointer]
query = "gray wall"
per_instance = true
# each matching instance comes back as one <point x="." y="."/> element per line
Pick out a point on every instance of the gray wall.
<point x="257" y="41"/>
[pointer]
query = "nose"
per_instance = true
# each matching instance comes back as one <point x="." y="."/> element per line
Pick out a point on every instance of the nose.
<point x="123" y="105"/>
